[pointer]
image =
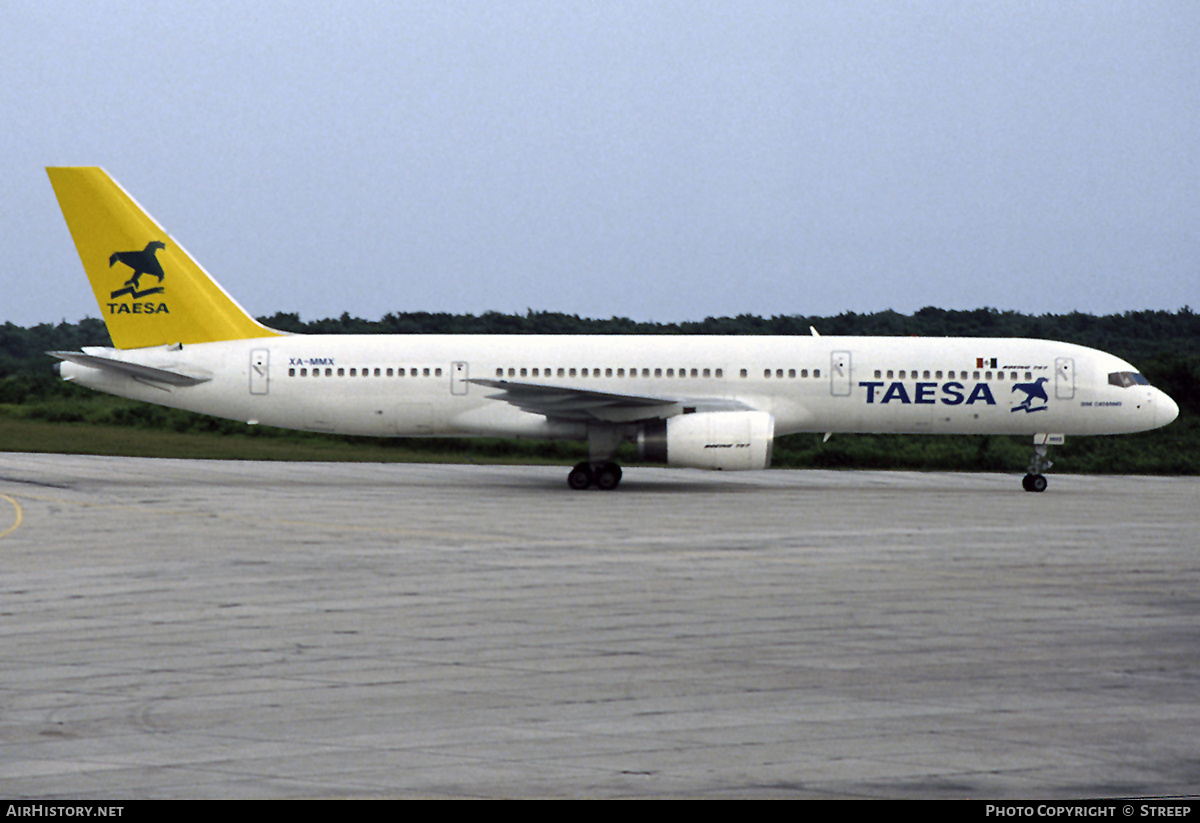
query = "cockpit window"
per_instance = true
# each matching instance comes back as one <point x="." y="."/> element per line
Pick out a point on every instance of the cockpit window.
<point x="1125" y="379"/>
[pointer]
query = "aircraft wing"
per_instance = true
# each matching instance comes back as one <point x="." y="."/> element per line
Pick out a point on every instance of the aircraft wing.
<point x="567" y="403"/>
<point x="135" y="370"/>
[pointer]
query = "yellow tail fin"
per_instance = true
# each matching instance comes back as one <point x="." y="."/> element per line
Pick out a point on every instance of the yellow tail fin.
<point x="150" y="292"/>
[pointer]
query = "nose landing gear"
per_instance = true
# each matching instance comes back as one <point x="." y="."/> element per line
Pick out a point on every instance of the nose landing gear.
<point x="1035" y="481"/>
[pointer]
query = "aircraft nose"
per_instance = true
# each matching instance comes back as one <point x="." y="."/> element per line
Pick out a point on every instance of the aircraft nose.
<point x="1165" y="409"/>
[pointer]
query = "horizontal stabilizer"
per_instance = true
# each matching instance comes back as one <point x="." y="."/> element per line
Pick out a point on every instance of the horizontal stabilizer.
<point x="137" y="370"/>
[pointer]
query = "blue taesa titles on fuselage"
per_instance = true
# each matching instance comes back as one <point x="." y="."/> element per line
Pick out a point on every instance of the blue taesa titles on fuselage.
<point x="951" y="393"/>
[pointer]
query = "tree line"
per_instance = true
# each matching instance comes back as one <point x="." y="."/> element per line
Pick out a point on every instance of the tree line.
<point x="1164" y="346"/>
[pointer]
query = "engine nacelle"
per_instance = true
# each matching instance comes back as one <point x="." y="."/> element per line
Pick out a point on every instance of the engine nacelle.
<point x="728" y="441"/>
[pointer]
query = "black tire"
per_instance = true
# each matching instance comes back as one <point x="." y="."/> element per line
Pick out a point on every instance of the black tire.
<point x="580" y="477"/>
<point x="608" y="477"/>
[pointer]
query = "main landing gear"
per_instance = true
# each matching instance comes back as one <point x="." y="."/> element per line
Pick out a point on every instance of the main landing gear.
<point x="604" y="476"/>
<point x="599" y="471"/>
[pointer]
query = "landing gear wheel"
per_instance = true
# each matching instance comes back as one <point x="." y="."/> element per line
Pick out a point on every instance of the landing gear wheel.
<point x="580" y="477"/>
<point x="604" y="476"/>
<point x="1034" y="480"/>
<point x="607" y="477"/>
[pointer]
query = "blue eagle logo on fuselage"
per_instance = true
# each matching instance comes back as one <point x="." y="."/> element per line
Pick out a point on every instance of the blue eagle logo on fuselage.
<point x="1033" y="391"/>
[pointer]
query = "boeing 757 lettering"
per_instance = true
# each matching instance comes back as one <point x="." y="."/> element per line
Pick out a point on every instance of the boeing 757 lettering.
<point x="180" y="340"/>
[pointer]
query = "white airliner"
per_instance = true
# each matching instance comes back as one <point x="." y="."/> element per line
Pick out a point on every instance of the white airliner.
<point x="689" y="401"/>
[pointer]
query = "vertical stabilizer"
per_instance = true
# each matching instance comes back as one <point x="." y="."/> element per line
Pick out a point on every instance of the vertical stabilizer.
<point x="150" y="292"/>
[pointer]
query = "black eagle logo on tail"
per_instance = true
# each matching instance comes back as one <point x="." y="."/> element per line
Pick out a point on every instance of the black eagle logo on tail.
<point x="142" y="262"/>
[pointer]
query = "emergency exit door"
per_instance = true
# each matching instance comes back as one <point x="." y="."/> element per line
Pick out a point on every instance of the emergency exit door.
<point x="839" y="373"/>
<point x="458" y="378"/>
<point x="260" y="376"/>
<point x="1064" y="378"/>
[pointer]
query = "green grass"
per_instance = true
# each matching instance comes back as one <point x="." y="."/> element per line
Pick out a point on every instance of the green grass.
<point x="1133" y="454"/>
<point x="88" y="438"/>
<point x="77" y="422"/>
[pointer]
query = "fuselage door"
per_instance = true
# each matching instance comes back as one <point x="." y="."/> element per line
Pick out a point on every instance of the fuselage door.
<point x="1064" y="378"/>
<point x="458" y="378"/>
<point x="839" y="373"/>
<point x="260" y="360"/>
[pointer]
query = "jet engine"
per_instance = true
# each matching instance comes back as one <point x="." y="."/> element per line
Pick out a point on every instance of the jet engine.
<point x="727" y="441"/>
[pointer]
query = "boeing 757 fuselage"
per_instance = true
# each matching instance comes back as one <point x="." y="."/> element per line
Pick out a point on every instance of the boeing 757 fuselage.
<point x="689" y="401"/>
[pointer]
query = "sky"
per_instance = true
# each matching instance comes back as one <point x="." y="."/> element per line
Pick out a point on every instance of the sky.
<point x="661" y="161"/>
